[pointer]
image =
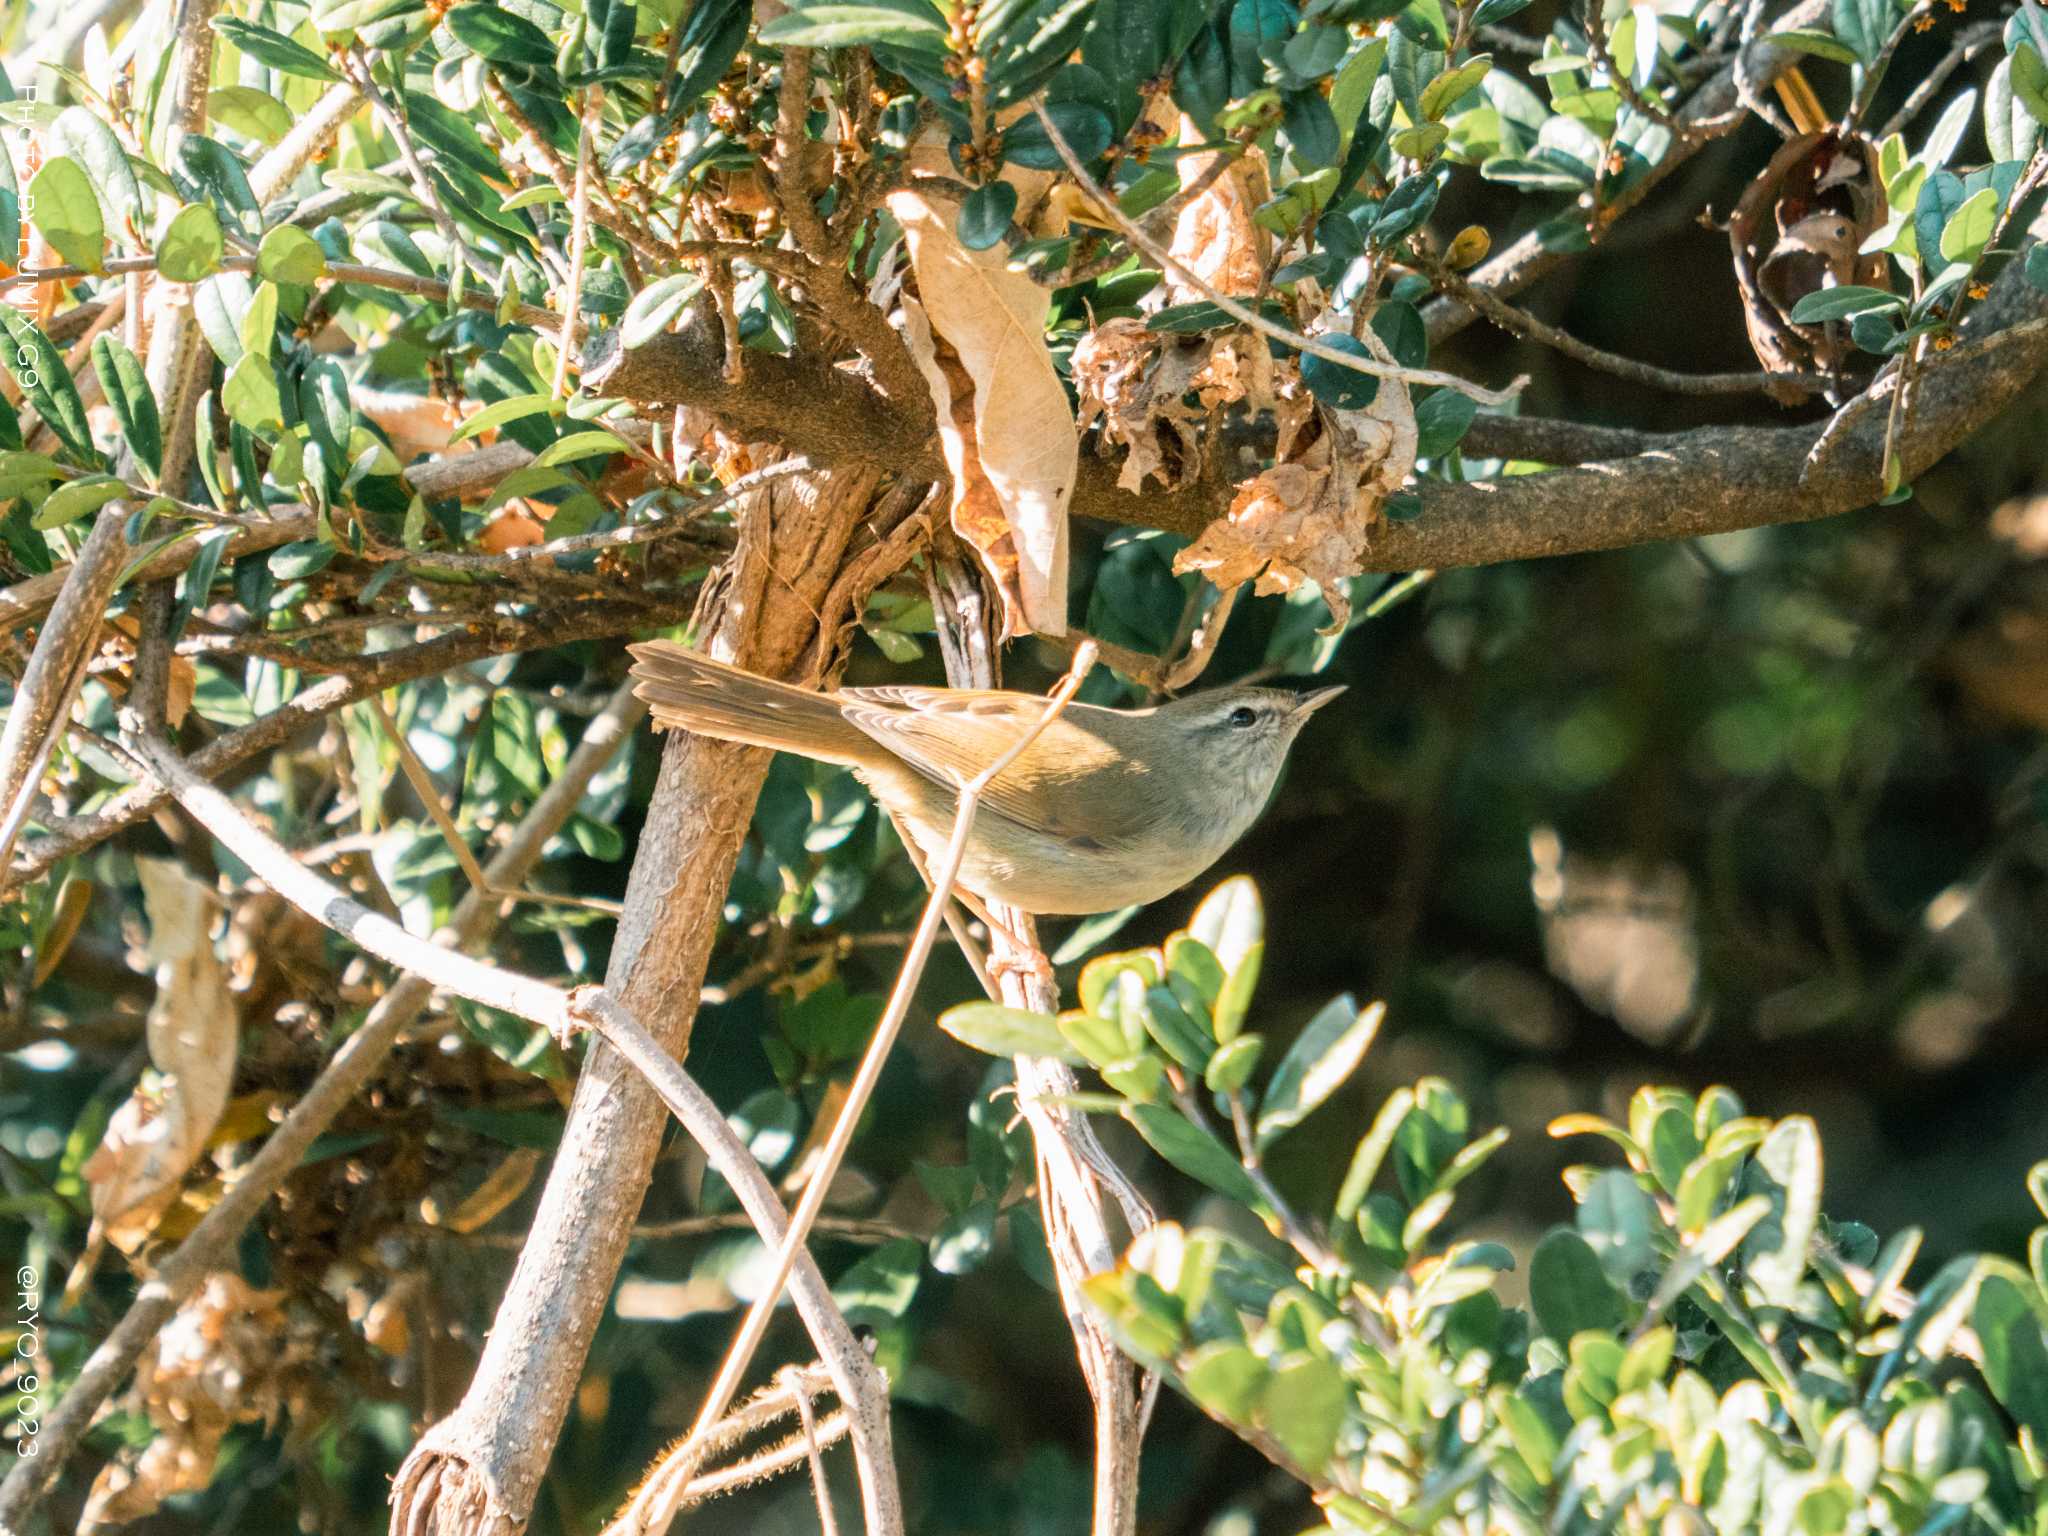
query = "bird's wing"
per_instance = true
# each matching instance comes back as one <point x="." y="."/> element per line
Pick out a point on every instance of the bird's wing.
<point x="950" y="735"/>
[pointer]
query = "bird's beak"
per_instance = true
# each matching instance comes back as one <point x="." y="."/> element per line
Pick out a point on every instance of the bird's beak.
<point x="1309" y="703"/>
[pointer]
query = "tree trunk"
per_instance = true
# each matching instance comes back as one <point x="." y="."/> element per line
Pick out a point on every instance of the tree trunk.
<point x="479" y="1470"/>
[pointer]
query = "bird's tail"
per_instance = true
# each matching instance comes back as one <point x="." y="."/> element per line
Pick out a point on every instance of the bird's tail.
<point x="712" y="698"/>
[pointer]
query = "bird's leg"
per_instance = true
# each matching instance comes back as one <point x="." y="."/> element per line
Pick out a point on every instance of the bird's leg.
<point x="1023" y="958"/>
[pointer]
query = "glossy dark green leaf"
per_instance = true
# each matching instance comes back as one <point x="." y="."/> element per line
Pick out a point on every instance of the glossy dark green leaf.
<point x="1341" y="388"/>
<point x="1193" y="1151"/>
<point x="1086" y="129"/>
<point x="986" y="214"/>
<point x="1325" y="1054"/>
<point x="501" y="35"/>
<point x="2015" y="1351"/>
<point x="213" y="169"/>
<point x="128" y="395"/>
<point x="966" y="1240"/>
<point x="1864" y="25"/>
<point x="1843" y="302"/>
<point x="1570" y="1290"/>
<point x="1311" y="128"/>
<point x="1442" y="418"/>
<point x="910" y="24"/>
<point x="274" y="49"/>
<point x="1941" y="194"/>
<point x="46" y="384"/>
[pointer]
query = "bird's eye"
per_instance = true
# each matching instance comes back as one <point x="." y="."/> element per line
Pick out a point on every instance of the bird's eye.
<point x="1242" y="717"/>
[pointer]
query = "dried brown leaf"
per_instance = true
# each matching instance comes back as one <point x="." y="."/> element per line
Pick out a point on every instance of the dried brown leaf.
<point x="1214" y="236"/>
<point x="230" y="1355"/>
<point x="1004" y="422"/>
<point x="1311" y="516"/>
<point x="159" y="1132"/>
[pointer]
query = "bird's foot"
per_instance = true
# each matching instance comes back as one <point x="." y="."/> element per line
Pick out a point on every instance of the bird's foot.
<point x="1020" y="959"/>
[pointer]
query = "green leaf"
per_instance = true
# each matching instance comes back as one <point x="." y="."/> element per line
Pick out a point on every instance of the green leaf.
<point x="191" y="246"/>
<point x="1569" y="1288"/>
<point x="1087" y="130"/>
<point x="1193" y="1151"/>
<point x="1864" y="25"/>
<point x="252" y="113"/>
<point x="1001" y="1031"/>
<point x="1327" y="1052"/>
<point x="965" y="1241"/>
<point x="1819" y="44"/>
<point x="1648" y="1358"/>
<point x="82" y="137"/>
<point x="880" y="1288"/>
<point x="500" y="35"/>
<point x="654" y="308"/>
<point x="1448" y="88"/>
<point x="1616" y="1219"/>
<point x="1843" y="302"/>
<point x="2030" y="81"/>
<point x="1941" y="195"/>
<point x="2015" y="1353"/>
<point x="249" y="393"/>
<point x="1232" y="1065"/>
<point x="128" y="394"/>
<point x="75" y="499"/>
<point x="986" y="214"/>
<point x="1225" y="1379"/>
<point x="1371" y="1152"/>
<point x="1337" y="386"/>
<point x="1231" y="921"/>
<point x="499" y="412"/>
<point x="1442" y="418"/>
<point x="1303" y="1407"/>
<point x="67" y="210"/>
<point x="1969" y="228"/>
<point x="259" y="321"/>
<point x="579" y="445"/>
<point x="907" y="24"/>
<point x="1790" y="1158"/>
<point x="46" y="384"/>
<point x="289" y="255"/>
<point x="274" y="49"/>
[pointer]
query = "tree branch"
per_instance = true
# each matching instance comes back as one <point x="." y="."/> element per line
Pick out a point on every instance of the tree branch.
<point x="359" y="1057"/>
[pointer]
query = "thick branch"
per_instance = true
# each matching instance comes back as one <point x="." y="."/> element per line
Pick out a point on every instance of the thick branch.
<point x="481" y="1468"/>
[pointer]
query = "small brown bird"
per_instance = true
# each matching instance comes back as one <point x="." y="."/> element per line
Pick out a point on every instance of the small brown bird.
<point x="1107" y="808"/>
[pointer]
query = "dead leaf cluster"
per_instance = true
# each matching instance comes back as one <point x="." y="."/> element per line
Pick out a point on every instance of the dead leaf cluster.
<point x="232" y="1355"/>
<point x="1311" y="516"/>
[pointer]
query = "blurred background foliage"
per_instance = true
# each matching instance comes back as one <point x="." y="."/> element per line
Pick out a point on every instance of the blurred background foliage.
<point x="1765" y="810"/>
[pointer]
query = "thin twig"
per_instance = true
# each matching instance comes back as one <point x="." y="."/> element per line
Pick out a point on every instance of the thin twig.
<point x="579" y="240"/>
<point x="1519" y="322"/>
<point x="1243" y="313"/>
